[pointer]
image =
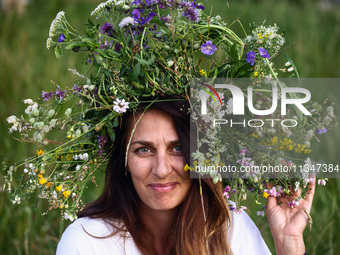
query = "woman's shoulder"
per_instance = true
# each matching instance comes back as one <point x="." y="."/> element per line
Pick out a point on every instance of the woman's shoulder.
<point x="246" y="237"/>
<point x="92" y="226"/>
<point x="95" y="236"/>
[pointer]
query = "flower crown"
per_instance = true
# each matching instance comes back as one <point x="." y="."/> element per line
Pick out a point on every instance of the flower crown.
<point x="140" y="49"/>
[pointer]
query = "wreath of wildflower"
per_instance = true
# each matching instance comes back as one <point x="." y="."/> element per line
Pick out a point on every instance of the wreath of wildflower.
<point x="142" y="48"/>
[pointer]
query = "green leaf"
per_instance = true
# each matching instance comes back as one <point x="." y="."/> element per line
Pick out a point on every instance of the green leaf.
<point x="57" y="51"/>
<point x="293" y="65"/>
<point x="115" y="121"/>
<point x="90" y="23"/>
<point x="134" y="72"/>
<point x="151" y="60"/>
<point x="234" y="52"/>
<point x="102" y="52"/>
<point x="142" y="61"/>
<point x="113" y="53"/>
<point x="111" y="133"/>
<point x="167" y="79"/>
<point x="71" y="46"/>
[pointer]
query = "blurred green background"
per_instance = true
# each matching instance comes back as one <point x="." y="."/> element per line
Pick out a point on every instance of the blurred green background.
<point x="27" y="68"/>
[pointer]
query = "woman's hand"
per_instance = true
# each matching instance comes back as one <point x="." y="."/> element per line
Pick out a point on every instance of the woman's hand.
<point x="287" y="224"/>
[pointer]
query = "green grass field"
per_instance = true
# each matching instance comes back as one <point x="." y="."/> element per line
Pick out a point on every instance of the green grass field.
<point x="27" y="68"/>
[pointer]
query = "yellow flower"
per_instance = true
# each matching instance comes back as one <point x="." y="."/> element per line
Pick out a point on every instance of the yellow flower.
<point x="40" y="153"/>
<point x="69" y="157"/>
<point x="187" y="167"/>
<point x="42" y="181"/>
<point x="48" y="185"/>
<point x="59" y="188"/>
<point x="202" y="72"/>
<point x="274" y="140"/>
<point x="40" y="176"/>
<point x="256" y="74"/>
<point x="66" y="193"/>
<point x="265" y="195"/>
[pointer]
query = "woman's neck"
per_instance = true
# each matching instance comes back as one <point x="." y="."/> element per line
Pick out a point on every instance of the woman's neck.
<point x="159" y="223"/>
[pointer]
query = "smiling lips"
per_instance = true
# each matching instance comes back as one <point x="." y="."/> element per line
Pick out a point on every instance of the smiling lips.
<point x="163" y="187"/>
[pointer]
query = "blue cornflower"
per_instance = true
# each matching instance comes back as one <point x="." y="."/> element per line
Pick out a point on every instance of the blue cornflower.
<point x="208" y="48"/>
<point x="263" y="53"/>
<point x="61" y="38"/>
<point x="251" y="55"/>
<point x="320" y="131"/>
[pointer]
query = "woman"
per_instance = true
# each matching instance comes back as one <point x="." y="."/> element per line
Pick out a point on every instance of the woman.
<point x="150" y="205"/>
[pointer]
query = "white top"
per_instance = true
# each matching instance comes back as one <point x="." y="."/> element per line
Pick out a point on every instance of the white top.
<point x="246" y="239"/>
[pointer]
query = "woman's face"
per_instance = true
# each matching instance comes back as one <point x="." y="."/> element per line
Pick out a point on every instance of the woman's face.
<point x="156" y="162"/>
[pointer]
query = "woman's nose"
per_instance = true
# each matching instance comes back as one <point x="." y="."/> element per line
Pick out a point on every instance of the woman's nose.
<point x="162" y="165"/>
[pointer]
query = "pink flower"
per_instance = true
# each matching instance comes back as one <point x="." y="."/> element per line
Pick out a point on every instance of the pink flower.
<point x="293" y="203"/>
<point x="226" y="192"/>
<point x="120" y="106"/>
<point x="240" y="210"/>
<point x="322" y="181"/>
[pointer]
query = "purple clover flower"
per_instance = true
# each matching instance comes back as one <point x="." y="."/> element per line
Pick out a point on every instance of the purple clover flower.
<point x="208" y="48"/>
<point x="76" y="89"/>
<point x="61" y="38"/>
<point x="263" y="53"/>
<point x="106" y="28"/>
<point x="102" y="140"/>
<point x="251" y="55"/>
<point x="190" y="11"/>
<point x="60" y="93"/>
<point x="46" y="95"/>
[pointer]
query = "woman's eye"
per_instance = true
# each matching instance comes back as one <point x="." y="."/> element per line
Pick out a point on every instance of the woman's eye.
<point x="178" y="149"/>
<point x="142" y="150"/>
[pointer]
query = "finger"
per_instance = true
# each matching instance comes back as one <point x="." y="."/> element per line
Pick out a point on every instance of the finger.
<point x="311" y="189"/>
<point x="271" y="203"/>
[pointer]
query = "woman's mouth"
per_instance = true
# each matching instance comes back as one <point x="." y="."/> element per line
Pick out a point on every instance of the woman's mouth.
<point x="163" y="187"/>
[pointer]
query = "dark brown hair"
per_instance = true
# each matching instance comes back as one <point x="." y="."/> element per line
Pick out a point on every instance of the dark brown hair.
<point x="119" y="201"/>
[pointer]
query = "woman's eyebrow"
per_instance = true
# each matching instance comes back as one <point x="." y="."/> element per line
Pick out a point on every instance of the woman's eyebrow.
<point x="151" y="144"/>
<point x="142" y="142"/>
